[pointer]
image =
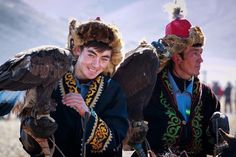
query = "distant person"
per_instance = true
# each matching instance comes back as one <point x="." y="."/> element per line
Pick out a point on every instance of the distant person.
<point x="217" y="90"/>
<point x="227" y="94"/>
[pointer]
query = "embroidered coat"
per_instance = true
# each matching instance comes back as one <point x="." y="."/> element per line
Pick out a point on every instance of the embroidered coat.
<point x="106" y="127"/>
<point x="167" y="127"/>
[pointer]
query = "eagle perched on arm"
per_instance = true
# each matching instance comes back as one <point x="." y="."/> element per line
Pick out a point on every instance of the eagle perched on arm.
<point x="28" y="79"/>
<point x="137" y="76"/>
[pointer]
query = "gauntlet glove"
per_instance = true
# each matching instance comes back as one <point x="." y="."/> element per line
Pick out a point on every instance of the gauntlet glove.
<point x="231" y="140"/>
<point x="138" y="132"/>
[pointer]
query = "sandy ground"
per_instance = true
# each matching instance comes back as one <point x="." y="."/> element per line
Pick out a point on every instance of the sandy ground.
<point x="11" y="147"/>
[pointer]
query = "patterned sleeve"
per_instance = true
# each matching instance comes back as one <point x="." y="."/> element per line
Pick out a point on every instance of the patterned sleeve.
<point x="100" y="136"/>
<point x="106" y="130"/>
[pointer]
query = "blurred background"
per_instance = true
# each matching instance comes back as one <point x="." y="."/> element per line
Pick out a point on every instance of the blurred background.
<point x="29" y="23"/>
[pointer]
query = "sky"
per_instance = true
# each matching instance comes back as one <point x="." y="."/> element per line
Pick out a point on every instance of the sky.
<point x="146" y="19"/>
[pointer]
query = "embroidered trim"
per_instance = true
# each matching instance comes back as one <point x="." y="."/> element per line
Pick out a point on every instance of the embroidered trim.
<point x="165" y="79"/>
<point x="95" y="91"/>
<point x="172" y="131"/>
<point x="197" y="129"/>
<point x="71" y="83"/>
<point x="68" y="84"/>
<point x="174" y="124"/>
<point x="100" y="137"/>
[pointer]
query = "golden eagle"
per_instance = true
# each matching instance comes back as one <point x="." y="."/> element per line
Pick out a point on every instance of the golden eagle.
<point x="28" y="79"/>
<point x="137" y="76"/>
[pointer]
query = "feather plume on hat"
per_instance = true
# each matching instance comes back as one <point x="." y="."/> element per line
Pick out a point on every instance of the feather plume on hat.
<point x="176" y="9"/>
<point x="96" y="30"/>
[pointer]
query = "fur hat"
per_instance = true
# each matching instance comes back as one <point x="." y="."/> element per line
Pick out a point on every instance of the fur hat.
<point x="96" y="30"/>
<point x="180" y="34"/>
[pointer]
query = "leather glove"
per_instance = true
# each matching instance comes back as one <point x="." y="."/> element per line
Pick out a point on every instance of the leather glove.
<point x="138" y="132"/>
<point x="34" y="136"/>
<point x="41" y="128"/>
<point x="30" y="145"/>
<point x="220" y="125"/>
<point x="229" y="138"/>
<point x="219" y="120"/>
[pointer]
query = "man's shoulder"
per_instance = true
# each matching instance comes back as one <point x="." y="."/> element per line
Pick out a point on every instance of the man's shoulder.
<point x="111" y="82"/>
<point x="112" y="85"/>
<point x="205" y="86"/>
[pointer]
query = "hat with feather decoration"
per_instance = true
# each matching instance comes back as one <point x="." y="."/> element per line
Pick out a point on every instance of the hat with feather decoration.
<point x="179" y="33"/>
<point x="96" y="30"/>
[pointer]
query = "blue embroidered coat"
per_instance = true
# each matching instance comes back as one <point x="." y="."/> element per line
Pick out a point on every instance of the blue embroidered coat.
<point x="167" y="127"/>
<point x="106" y="127"/>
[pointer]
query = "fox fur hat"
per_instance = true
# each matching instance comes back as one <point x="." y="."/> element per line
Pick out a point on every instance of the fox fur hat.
<point x="96" y="30"/>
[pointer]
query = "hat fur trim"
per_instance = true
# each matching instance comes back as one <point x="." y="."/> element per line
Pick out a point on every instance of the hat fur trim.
<point x="196" y="36"/>
<point x="175" y="44"/>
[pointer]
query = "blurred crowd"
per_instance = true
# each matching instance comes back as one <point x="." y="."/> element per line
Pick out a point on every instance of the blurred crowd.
<point x="226" y="95"/>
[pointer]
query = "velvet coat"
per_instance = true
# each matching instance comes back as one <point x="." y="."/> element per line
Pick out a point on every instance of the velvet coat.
<point x="167" y="127"/>
<point x="106" y="127"/>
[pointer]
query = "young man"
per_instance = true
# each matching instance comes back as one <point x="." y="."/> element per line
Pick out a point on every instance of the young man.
<point x="88" y="94"/>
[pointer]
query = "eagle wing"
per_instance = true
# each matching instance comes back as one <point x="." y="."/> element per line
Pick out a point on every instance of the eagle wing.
<point x="34" y="67"/>
<point x="137" y="76"/>
<point x="35" y="70"/>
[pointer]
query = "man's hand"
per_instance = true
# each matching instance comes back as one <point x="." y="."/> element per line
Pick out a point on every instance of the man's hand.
<point x="76" y="101"/>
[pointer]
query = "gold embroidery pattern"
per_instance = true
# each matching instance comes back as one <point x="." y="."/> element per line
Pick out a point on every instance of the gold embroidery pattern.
<point x="98" y="93"/>
<point x="71" y="83"/>
<point x="95" y="91"/>
<point x="100" y="137"/>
